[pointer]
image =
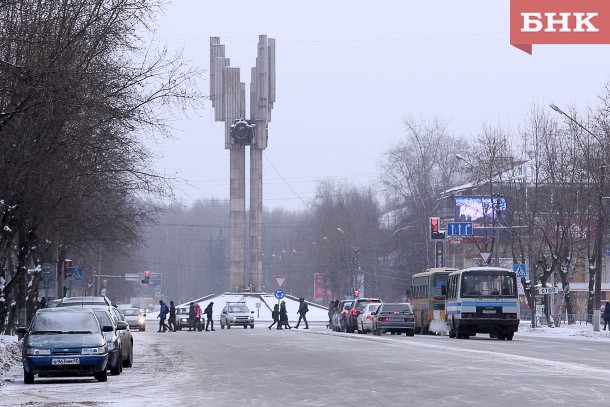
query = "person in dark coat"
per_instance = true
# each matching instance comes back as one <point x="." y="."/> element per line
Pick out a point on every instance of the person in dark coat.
<point x="284" y="316"/>
<point x="171" y="321"/>
<point x="162" y="316"/>
<point x="208" y="315"/>
<point x="191" y="315"/>
<point x="607" y="315"/>
<point x="275" y="314"/>
<point x="303" y="309"/>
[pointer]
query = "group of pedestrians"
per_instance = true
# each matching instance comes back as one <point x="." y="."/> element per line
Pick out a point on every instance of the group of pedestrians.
<point x="280" y="315"/>
<point x="195" y="315"/>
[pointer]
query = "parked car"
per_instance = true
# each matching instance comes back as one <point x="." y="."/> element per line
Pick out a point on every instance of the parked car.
<point x="64" y="342"/>
<point x="135" y="318"/>
<point x="339" y="318"/>
<point x="53" y="303"/>
<point x="126" y="338"/>
<point x="236" y="314"/>
<point x="109" y="327"/>
<point x="123" y="330"/>
<point x="83" y="301"/>
<point x="355" y="310"/>
<point x="395" y="318"/>
<point x="182" y="318"/>
<point x="365" y="319"/>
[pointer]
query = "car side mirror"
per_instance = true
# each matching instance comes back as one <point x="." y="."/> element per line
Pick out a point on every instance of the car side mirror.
<point x="107" y="328"/>
<point x="22" y="330"/>
<point x="144" y="315"/>
<point x="251" y="312"/>
<point x="374" y="313"/>
<point x="121" y="326"/>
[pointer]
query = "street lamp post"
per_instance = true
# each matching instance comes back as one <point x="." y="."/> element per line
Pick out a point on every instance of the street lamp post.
<point x="597" y="291"/>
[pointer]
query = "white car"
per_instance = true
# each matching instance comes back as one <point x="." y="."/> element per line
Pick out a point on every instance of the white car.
<point x="365" y="319"/>
<point x="135" y="318"/>
<point x="236" y="313"/>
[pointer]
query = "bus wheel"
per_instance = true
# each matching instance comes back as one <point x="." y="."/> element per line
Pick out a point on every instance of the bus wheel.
<point x="509" y="336"/>
<point x="501" y="336"/>
<point x="452" y="332"/>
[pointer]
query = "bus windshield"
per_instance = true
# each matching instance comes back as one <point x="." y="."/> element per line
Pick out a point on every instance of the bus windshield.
<point x="477" y="285"/>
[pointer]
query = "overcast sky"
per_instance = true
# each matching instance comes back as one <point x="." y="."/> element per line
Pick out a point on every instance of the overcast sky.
<point x="349" y="72"/>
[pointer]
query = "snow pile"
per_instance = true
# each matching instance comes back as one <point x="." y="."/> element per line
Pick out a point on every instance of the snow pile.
<point x="10" y="354"/>
<point x="584" y="331"/>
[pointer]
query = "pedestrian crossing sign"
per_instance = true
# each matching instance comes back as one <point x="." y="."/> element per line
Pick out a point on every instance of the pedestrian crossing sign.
<point x="520" y="270"/>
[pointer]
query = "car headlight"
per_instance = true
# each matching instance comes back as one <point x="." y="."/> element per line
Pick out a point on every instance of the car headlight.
<point x="38" y="352"/>
<point x="94" y="351"/>
<point x="111" y="346"/>
<point x="233" y="318"/>
<point x="142" y="320"/>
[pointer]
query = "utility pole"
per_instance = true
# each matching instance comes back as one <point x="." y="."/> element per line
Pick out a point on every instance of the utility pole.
<point x="599" y="240"/>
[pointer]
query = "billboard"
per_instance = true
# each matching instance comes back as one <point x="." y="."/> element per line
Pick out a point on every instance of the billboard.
<point x="483" y="211"/>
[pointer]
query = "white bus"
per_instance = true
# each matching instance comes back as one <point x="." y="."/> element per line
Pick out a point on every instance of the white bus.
<point x="482" y="300"/>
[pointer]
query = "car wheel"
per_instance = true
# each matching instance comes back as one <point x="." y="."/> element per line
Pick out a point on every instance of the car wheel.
<point x="252" y="326"/>
<point x="116" y="370"/>
<point x="143" y="329"/>
<point x="28" y="378"/>
<point x="410" y="333"/>
<point x="129" y="361"/>
<point x="101" y="376"/>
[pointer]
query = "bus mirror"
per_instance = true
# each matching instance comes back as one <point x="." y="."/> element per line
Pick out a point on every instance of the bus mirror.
<point x="444" y="290"/>
<point x="408" y="293"/>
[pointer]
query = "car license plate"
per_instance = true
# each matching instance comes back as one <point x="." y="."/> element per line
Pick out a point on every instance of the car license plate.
<point x="66" y="361"/>
<point x="489" y="311"/>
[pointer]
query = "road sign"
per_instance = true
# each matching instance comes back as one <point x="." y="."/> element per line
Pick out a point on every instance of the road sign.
<point x="280" y="281"/>
<point x="485" y="256"/>
<point x="77" y="273"/>
<point x="548" y="290"/>
<point x="279" y="293"/>
<point x="520" y="270"/>
<point x="459" y="229"/>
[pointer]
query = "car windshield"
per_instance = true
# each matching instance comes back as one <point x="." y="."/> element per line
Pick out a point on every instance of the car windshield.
<point x="182" y="310"/>
<point x="68" y="322"/>
<point x="361" y="304"/>
<point x="396" y="308"/>
<point x="131" y="312"/>
<point x="373" y="308"/>
<point x="103" y="317"/>
<point x="238" y="308"/>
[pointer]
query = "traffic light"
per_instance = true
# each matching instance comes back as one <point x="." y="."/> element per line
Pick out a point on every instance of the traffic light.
<point x="146" y="279"/>
<point x="435" y="231"/>
<point x="67" y="268"/>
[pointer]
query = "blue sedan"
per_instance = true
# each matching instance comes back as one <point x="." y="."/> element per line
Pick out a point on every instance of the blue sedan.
<point x="64" y="342"/>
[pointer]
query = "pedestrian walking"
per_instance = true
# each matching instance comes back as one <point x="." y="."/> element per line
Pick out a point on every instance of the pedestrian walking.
<point x="275" y="314"/>
<point x="197" y="318"/>
<point x="284" y="316"/>
<point x="303" y="309"/>
<point x="171" y="321"/>
<point x="208" y="315"/>
<point x="607" y="315"/>
<point x="191" y="315"/>
<point x="162" y="316"/>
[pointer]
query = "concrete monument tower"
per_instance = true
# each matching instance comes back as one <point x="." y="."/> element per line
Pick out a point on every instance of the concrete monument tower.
<point x="228" y="96"/>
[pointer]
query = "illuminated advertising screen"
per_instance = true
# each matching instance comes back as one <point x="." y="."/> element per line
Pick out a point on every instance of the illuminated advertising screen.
<point x="483" y="211"/>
